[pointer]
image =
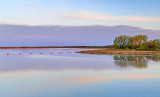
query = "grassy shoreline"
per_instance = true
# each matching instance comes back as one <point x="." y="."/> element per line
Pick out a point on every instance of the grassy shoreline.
<point x="109" y="51"/>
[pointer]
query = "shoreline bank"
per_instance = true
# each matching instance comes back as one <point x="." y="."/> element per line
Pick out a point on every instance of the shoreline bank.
<point x="97" y="51"/>
<point x="109" y="51"/>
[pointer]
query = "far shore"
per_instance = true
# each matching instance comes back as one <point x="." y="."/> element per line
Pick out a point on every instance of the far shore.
<point x="47" y="47"/>
<point x="99" y="50"/>
<point x="111" y="51"/>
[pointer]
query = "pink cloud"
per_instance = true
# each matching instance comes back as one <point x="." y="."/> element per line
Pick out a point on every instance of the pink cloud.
<point x="104" y="17"/>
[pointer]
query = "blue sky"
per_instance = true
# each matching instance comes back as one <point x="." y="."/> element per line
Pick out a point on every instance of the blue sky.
<point x="140" y="13"/>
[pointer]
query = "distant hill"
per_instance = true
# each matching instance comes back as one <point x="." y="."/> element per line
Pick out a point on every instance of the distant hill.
<point x="16" y="35"/>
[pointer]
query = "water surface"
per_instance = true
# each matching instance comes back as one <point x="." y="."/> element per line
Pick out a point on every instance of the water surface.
<point x="63" y="73"/>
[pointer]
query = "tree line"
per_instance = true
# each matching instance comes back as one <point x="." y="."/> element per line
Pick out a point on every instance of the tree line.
<point x="138" y="42"/>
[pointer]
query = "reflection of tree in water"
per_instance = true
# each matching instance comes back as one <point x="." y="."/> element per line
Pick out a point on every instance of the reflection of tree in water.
<point x="154" y="58"/>
<point x="134" y="61"/>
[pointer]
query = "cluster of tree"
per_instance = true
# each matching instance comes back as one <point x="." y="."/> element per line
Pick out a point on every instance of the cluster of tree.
<point x="139" y="42"/>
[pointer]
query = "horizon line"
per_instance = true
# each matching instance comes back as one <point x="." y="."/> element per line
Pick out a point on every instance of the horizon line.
<point x="78" y="26"/>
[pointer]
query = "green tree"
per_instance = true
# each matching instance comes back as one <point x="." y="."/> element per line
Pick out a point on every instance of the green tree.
<point x="121" y="42"/>
<point x="156" y="44"/>
<point x="138" y="40"/>
<point x="130" y="43"/>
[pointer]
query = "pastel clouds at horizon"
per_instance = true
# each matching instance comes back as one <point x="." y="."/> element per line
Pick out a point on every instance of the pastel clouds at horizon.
<point x="97" y="35"/>
<point x="77" y="12"/>
<point x="102" y="17"/>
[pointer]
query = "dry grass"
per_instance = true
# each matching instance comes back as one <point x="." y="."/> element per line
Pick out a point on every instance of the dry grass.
<point x="109" y="51"/>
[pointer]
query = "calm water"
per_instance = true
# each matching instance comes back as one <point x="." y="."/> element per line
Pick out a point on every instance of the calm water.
<point x="63" y="73"/>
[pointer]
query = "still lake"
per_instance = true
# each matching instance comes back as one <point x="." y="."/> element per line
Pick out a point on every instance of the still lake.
<point x="64" y="73"/>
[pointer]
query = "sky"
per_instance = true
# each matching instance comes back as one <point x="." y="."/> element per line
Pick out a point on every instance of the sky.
<point x="75" y="22"/>
<point x="141" y="13"/>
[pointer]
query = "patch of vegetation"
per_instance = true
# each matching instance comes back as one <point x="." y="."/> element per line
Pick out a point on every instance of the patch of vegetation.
<point x="138" y="42"/>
